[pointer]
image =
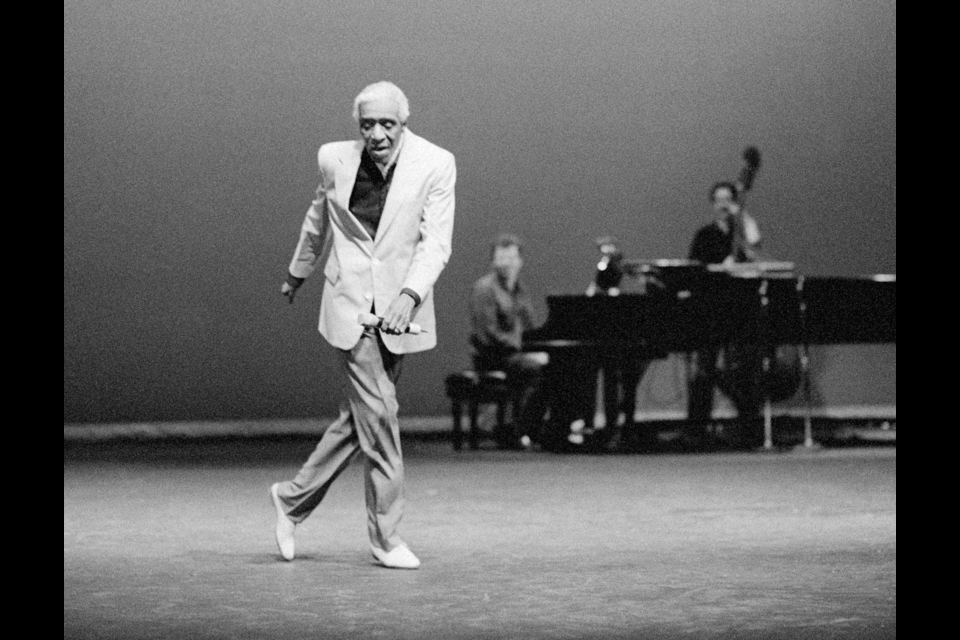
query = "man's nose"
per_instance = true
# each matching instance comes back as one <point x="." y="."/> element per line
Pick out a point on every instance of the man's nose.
<point x="377" y="132"/>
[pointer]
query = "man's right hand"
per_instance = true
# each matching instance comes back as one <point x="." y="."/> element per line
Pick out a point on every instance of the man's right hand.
<point x="288" y="291"/>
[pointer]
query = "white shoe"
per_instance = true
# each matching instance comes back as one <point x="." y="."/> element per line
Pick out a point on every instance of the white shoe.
<point x="397" y="558"/>
<point x="285" y="525"/>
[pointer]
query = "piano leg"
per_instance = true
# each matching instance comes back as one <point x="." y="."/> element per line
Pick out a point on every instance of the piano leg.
<point x="805" y="383"/>
<point x="767" y="410"/>
<point x="808" y="442"/>
<point x="767" y="424"/>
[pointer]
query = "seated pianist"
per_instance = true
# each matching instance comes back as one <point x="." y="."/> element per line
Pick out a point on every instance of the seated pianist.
<point x="500" y="311"/>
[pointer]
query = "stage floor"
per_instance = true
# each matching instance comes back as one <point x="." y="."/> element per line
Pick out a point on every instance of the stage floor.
<point x="174" y="539"/>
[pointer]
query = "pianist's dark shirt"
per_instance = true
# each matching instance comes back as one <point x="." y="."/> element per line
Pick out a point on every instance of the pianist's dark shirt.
<point x="498" y="319"/>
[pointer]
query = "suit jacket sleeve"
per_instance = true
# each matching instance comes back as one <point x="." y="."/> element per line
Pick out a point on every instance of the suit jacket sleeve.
<point x="436" y="229"/>
<point x="313" y="246"/>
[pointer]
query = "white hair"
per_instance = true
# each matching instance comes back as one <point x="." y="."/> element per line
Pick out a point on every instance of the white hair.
<point x="382" y="90"/>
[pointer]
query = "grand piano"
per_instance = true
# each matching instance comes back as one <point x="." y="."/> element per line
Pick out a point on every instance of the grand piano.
<point x="689" y="306"/>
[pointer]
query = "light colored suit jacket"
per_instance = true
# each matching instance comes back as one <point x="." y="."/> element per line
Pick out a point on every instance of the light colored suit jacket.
<point x="411" y="248"/>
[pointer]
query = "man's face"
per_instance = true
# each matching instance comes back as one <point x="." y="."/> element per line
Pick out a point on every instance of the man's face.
<point x="380" y="128"/>
<point x="507" y="261"/>
<point x="723" y="201"/>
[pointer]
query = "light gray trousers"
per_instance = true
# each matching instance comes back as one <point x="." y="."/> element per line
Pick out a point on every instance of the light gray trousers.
<point x="368" y="423"/>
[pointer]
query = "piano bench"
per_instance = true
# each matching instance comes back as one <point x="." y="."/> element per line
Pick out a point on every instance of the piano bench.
<point x="470" y="389"/>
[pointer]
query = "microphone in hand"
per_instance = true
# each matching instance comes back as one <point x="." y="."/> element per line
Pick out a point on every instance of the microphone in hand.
<point x="370" y="320"/>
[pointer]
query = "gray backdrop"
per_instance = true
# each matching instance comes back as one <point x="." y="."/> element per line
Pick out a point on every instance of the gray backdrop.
<point x="191" y="128"/>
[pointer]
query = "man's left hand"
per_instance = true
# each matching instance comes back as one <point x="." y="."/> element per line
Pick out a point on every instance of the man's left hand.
<point x="397" y="318"/>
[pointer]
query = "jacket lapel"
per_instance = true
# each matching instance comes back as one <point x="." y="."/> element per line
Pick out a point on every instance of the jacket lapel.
<point x="406" y="168"/>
